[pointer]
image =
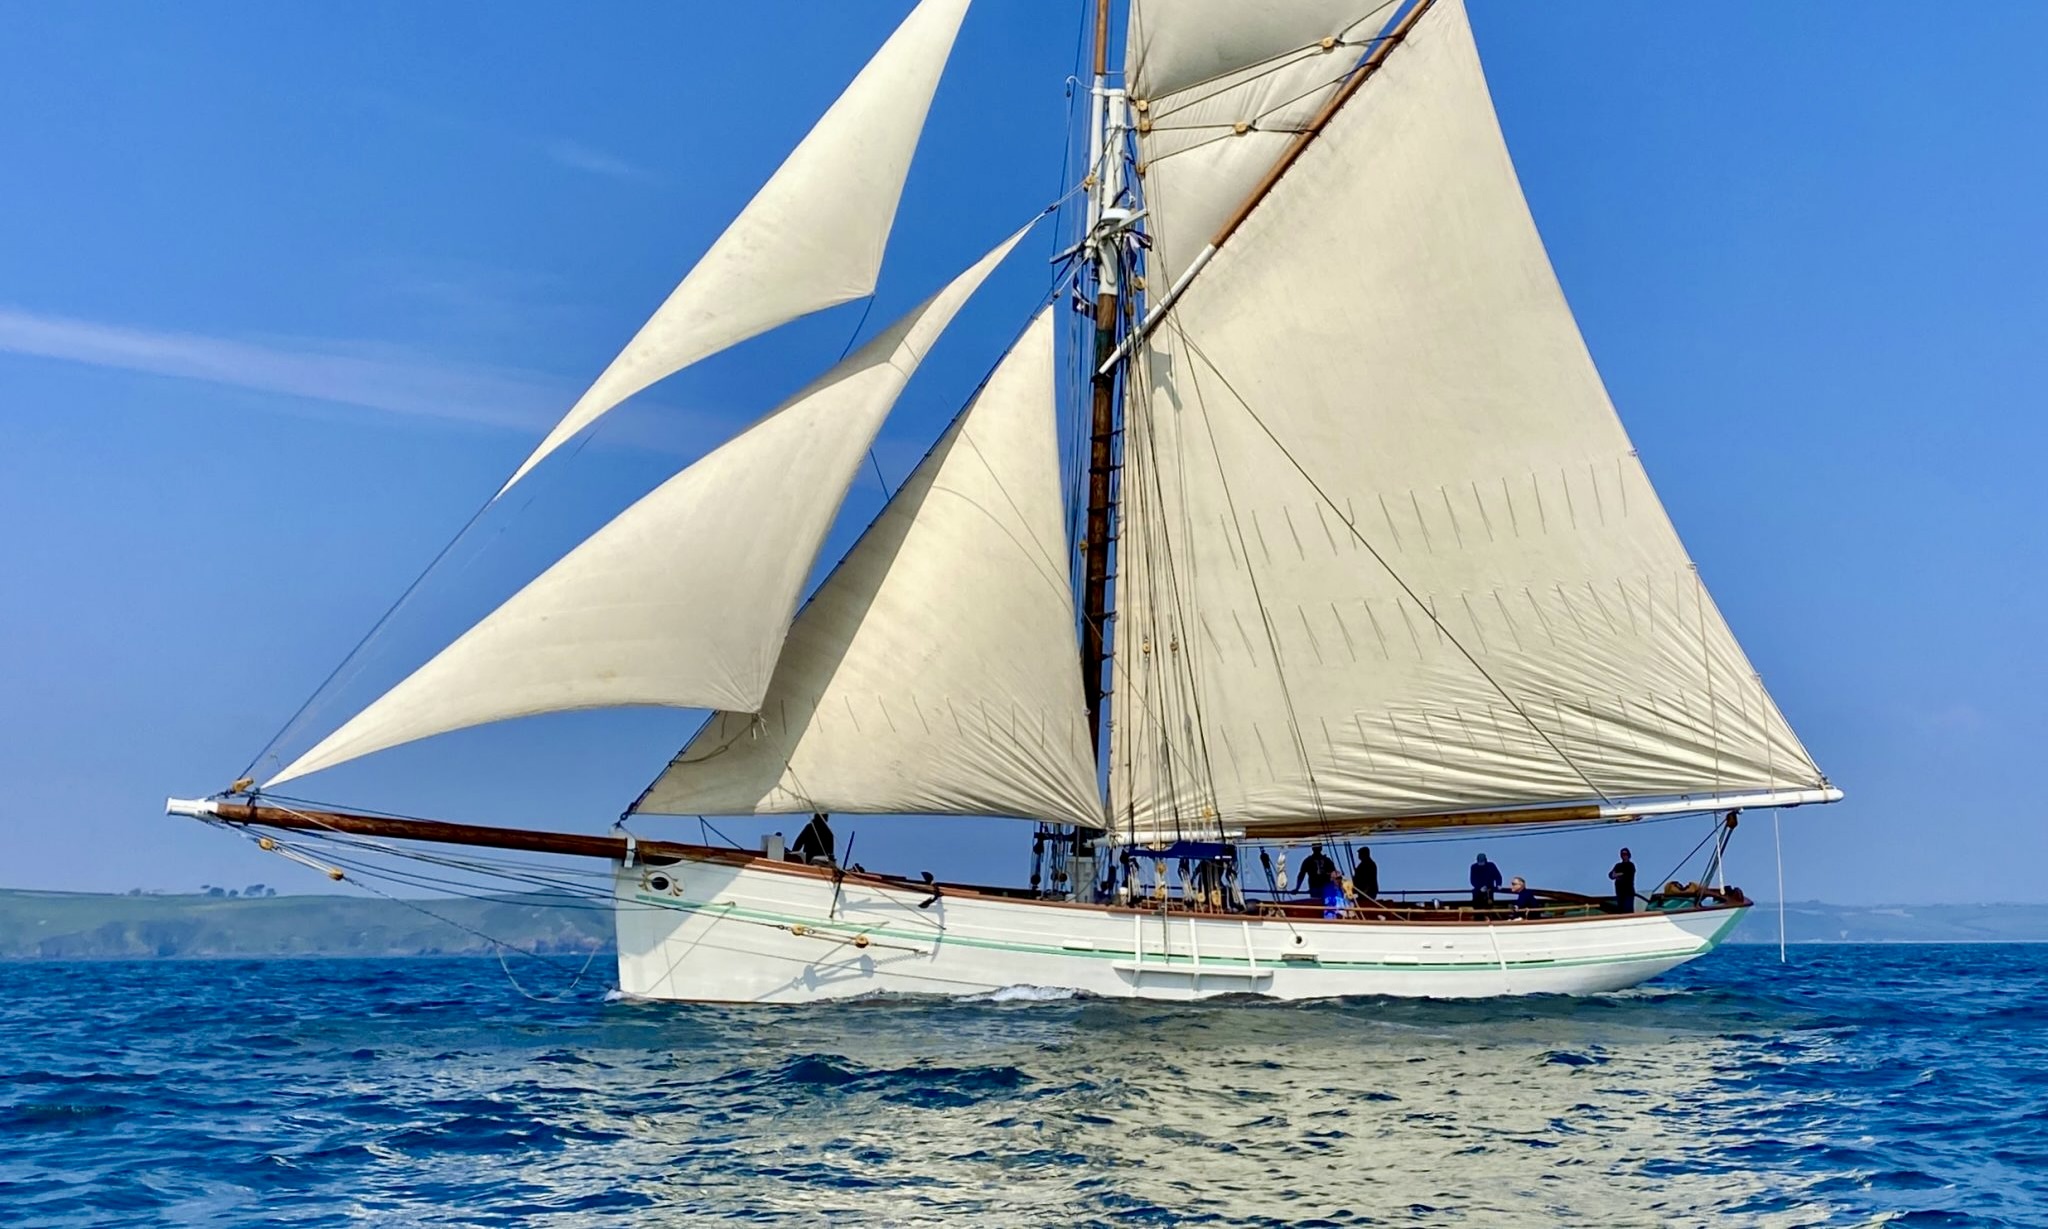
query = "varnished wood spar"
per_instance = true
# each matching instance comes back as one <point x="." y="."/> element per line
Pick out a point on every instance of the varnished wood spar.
<point x="1102" y="429"/>
<point x="1307" y="135"/>
<point x="1101" y="37"/>
<point x="1319" y="828"/>
<point x="574" y="844"/>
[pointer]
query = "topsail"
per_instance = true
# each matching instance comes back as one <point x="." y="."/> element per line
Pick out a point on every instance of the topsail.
<point x="1222" y="87"/>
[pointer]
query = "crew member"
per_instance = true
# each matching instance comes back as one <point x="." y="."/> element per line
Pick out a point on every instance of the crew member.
<point x="1624" y="876"/>
<point x="1365" y="880"/>
<point x="814" y="844"/>
<point x="1317" y="871"/>
<point x="1525" y="896"/>
<point x="1485" y="882"/>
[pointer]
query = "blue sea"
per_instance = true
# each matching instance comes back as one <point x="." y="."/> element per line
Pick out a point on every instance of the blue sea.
<point x="1853" y="1086"/>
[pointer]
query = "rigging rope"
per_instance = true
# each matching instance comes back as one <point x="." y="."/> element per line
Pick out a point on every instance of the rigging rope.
<point x="498" y="946"/>
<point x="1179" y="699"/>
<point x="1778" y="847"/>
<point x="1711" y="834"/>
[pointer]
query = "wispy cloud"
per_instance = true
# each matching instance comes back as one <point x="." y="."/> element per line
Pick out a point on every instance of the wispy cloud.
<point x="375" y="376"/>
<point x="563" y="151"/>
<point x="1955" y="718"/>
<point x="579" y="157"/>
<point x="364" y="375"/>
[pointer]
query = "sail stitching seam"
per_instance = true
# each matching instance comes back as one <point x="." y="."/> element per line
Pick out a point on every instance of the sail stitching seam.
<point x="1389" y="568"/>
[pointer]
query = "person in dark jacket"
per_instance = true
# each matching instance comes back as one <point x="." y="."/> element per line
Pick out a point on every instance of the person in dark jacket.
<point x="1485" y="882"/>
<point x="1317" y="871"/>
<point x="1624" y="877"/>
<point x="1365" y="881"/>
<point x="814" y="843"/>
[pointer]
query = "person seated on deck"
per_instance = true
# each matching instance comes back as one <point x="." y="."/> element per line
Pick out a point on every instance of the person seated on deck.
<point x="1333" y="899"/>
<point x="1485" y="882"/>
<point x="1316" y="871"/>
<point x="1525" y="896"/>
<point x="1365" y="880"/>
<point x="814" y="845"/>
<point x="1624" y="877"/>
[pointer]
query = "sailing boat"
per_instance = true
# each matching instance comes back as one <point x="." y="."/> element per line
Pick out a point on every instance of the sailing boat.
<point x="1362" y="548"/>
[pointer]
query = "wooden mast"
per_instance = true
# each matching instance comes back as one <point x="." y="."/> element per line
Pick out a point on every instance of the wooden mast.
<point x="1102" y="432"/>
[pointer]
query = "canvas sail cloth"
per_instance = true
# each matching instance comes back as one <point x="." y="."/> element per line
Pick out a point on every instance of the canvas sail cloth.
<point x="1200" y="68"/>
<point x="1386" y="550"/>
<point x="684" y="599"/>
<point x="934" y="671"/>
<point x="811" y="238"/>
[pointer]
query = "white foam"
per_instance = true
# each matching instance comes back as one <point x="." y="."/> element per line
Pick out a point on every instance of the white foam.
<point x="1024" y="994"/>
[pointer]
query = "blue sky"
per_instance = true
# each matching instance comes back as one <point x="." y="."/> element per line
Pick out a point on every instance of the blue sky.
<point x="286" y="291"/>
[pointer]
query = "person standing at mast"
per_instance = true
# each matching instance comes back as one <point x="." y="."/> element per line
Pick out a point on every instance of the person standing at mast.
<point x="1316" y="872"/>
<point x="1624" y="877"/>
<point x="1485" y="882"/>
<point x="1365" y="880"/>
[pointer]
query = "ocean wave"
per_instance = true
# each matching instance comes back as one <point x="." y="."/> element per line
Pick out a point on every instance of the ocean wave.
<point x="1893" y="1086"/>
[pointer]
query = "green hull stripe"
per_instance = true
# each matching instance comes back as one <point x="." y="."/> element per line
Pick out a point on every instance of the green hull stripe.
<point x="848" y="931"/>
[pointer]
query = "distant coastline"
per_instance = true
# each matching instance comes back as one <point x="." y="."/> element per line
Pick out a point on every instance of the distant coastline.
<point x="95" y="926"/>
<point x="1809" y="922"/>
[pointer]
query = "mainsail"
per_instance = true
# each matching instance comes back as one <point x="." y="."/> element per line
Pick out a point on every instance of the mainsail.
<point x="1385" y="549"/>
<point x="683" y="599"/>
<point x="811" y="238"/>
<point x="933" y="671"/>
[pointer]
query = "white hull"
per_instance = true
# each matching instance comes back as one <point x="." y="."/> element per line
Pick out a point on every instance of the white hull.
<point x="731" y="929"/>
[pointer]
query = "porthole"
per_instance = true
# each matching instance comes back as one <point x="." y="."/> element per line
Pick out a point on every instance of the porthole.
<point x="659" y="883"/>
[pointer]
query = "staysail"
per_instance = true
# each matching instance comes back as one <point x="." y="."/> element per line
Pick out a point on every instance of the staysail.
<point x="933" y="671"/>
<point x="811" y="238"/>
<point x="1386" y="550"/>
<point x="683" y="599"/>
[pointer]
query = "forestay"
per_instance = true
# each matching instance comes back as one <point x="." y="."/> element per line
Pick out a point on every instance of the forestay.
<point x="934" y="671"/>
<point x="685" y="598"/>
<point x="1386" y="549"/>
<point x="811" y="238"/>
